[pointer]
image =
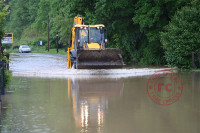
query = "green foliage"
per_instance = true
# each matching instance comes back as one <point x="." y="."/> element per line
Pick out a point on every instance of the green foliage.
<point x="3" y="10"/>
<point x="61" y="21"/>
<point x="152" y="16"/>
<point x="30" y="36"/>
<point x="42" y="12"/>
<point x="21" y="16"/>
<point x="3" y="13"/>
<point x="8" y="77"/>
<point x="182" y="36"/>
<point x="7" y="74"/>
<point x="28" y="21"/>
<point x="51" y="51"/>
<point x="134" y="26"/>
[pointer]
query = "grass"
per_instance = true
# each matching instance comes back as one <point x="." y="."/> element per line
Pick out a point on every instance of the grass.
<point x="51" y="51"/>
<point x="12" y="50"/>
<point x="196" y="70"/>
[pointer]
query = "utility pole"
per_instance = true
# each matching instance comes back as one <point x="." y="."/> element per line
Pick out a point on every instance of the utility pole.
<point x="48" y="30"/>
<point x="57" y="41"/>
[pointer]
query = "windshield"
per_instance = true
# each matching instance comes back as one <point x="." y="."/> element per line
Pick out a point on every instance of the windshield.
<point x="96" y="36"/>
<point x="25" y="46"/>
<point x="83" y="36"/>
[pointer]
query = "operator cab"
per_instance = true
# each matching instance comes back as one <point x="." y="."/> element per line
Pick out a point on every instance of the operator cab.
<point x="90" y="37"/>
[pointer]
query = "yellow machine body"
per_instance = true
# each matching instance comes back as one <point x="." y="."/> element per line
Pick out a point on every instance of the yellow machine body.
<point x="88" y="48"/>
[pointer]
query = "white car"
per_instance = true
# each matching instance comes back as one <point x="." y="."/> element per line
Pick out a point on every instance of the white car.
<point x="24" y="49"/>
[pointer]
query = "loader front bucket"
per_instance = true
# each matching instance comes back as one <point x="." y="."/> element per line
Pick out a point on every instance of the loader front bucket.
<point x="99" y="59"/>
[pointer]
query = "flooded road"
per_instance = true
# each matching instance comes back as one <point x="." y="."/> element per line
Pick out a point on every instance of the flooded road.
<point x="80" y="101"/>
<point x="45" y="65"/>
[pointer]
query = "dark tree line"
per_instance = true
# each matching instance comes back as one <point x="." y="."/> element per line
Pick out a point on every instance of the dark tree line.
<point x="149" y="32"/>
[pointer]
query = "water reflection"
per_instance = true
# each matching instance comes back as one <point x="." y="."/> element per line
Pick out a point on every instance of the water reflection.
<point x="74" y="105"/>
<point x="90" y="99"/>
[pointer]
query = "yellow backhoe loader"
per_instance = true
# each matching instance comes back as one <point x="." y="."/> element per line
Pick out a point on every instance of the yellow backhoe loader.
<point x="88" y="48"/>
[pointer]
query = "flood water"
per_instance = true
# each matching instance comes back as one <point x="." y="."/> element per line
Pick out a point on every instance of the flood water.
<point x="94" y="103"/>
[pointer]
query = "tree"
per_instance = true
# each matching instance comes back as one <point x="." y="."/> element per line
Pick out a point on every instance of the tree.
<point x="122" y="33"/>
<point x="152" y="16"/>
<point x="3" y="12"/>
<point x="134" y="26"/>
<point x="22" y="15"/>
<point x="182" y="36"/>
<point x="2" y="18"/>
<point x="62" y="22"/>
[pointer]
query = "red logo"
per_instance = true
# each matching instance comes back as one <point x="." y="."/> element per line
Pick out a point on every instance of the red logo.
<point x="164" y="87"/>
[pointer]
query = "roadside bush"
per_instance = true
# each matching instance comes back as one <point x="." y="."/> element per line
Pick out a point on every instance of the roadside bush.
<point x="182" y="36"/>
<point x="7" y="46"/>
<point x="8" y="77"/>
